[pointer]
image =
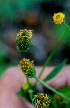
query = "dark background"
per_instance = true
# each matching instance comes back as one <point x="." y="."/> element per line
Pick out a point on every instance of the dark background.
<point x="33" y="15"/>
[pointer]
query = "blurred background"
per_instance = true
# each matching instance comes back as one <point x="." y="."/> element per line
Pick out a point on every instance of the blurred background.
<point x="33" y="15"/>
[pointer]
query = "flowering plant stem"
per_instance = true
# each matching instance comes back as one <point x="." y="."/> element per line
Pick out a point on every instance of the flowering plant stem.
<point x="50" y="56"/>
<point x="23" y="54"/>
<point x="66" y="25"/>
<point x="55" y="91"/>
<point x="28" y="81"/>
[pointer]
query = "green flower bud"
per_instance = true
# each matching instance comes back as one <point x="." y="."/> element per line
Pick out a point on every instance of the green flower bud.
<point x="40" y="100"/>
<point x="25" y="85"/>
<point x="23" y="40"/>
<point x="27" y="67"/>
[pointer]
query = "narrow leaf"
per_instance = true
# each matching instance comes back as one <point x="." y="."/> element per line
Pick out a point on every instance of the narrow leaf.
<point x="56" y="70"/>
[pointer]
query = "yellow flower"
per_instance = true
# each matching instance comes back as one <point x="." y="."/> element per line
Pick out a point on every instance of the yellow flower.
<point x="58" y="18"/>
<point x="41" y="100"/>
<point x="25" y="86"/>
<point x="27" y="67"/>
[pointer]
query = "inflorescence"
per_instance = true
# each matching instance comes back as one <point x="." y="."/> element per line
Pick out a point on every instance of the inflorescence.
<point x="41" y="100"/>
<point x="23" y="40"/>
<point x="27" y="67"/>
<point x="58" y="18"/>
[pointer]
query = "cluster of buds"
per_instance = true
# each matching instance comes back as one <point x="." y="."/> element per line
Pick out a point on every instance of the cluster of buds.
<point x="27" y="67"/>
<point x="41" y="100"/>
<point x="23" y="40"/>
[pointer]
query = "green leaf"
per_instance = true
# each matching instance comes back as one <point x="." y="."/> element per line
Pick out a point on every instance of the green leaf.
<point x="56" y="70"/>
<point x="65" y="91"/>
<point x="23" y="93"/>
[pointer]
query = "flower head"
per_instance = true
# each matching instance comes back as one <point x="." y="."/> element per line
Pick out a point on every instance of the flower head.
<point x="58" y="18"/>
<point x="41" y="100"/>
<point x="27" y="67"/>
<point x="25" y="85"/>
<point x="23" y="40"/>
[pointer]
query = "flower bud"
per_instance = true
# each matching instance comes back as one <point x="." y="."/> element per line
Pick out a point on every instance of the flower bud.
<point x="25" y="85"/>
<point x="23" y="40"/>
<point x="27" y="67"/>
<point x="40" y="100"/>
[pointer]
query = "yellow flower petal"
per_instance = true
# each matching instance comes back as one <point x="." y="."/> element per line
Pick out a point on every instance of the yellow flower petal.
<point x="58" y="18"/>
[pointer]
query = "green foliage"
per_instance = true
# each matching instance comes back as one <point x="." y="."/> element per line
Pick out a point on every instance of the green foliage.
<point x="65" y="90"/>
<point x="23" y="93"/>
<point x="61" y="102"/>
<point x="56" y="70"/>
<point x="58" y="102"/>
<point x="3" y="65"/>
<point x="58" y="29"/>
<point x="28" y="94"/>
<point x="10" y="8"/>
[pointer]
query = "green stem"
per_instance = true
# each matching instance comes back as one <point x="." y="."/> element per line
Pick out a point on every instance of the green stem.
<point x="55" y="91"/>
<point x="50" y="56"/>
<point x="66" y="25"/>
<point x="23" y="54"/>
<point x="28" y="81"/>
<point x="30" y="93"/>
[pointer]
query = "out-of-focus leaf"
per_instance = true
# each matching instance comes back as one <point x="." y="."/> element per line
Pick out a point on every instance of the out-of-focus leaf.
<point x="10" y="8"/>
<point x="56" y="70"/>
<point x="65" y="91"/>
<point x="23" y="93"/>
